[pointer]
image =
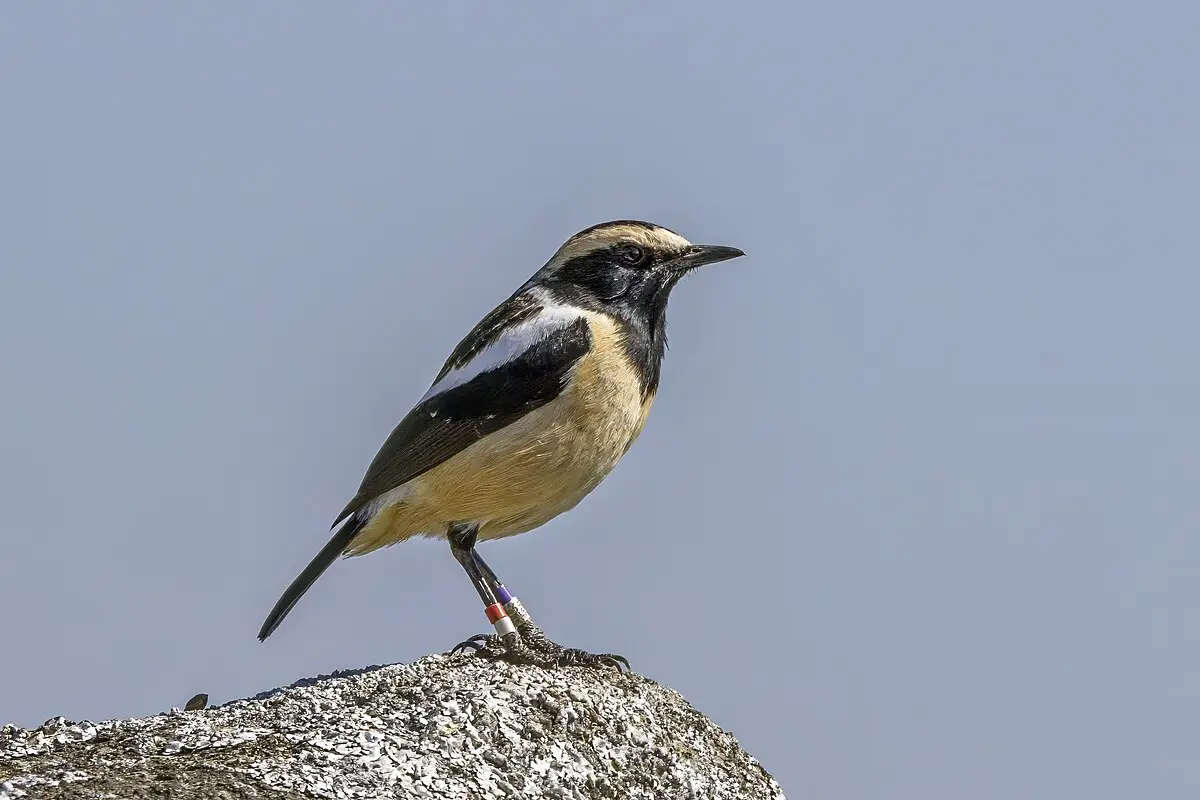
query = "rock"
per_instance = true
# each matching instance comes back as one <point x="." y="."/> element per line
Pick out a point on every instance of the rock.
<point x="442" y="727"/>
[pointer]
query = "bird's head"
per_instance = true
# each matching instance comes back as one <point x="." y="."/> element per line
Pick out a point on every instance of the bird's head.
<point x="625" y="267"/>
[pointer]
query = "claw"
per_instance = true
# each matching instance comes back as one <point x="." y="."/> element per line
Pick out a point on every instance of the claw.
<point x="573" y="657"/>
<point x="474" y="644"/>
<point x="616" y="661"/>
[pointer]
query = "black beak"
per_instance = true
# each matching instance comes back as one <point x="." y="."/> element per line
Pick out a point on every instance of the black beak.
<point x="701" y="254"/>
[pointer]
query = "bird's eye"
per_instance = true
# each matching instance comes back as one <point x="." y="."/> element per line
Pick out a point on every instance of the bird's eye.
<point x="632" y="254"/>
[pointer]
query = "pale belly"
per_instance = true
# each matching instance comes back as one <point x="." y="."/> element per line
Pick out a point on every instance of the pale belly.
<point x="527" y="473"/>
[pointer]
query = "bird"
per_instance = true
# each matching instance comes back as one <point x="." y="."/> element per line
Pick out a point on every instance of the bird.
<point x="529" y="413"/>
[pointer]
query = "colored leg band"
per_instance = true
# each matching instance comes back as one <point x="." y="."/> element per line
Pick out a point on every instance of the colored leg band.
<point x="503" y="594"/>
<point x="504" y="626"/>
<point x="499" y="619"/>
<point x="517" y="611"/>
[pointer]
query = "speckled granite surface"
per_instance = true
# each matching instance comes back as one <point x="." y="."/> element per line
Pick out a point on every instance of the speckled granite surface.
<point x="442" y="727"/>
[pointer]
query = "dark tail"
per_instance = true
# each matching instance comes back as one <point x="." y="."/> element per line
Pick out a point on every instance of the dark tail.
<point x="305" y="579"/>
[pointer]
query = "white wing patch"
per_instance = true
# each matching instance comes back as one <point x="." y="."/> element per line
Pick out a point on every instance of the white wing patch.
<point x="508" y="346"/>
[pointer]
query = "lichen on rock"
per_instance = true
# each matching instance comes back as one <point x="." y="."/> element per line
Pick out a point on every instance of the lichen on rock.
<point x="441" y="727"/>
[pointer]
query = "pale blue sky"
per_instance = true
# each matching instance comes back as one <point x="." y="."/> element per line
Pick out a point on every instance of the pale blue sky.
<point x="916" y="511"/>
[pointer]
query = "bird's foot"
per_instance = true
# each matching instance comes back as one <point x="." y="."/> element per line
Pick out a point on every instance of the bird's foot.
<point x="532" y="646"/>
<point x="537" y="639"/>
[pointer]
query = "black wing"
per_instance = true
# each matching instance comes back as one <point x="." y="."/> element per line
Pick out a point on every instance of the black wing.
<point x="451" y="421"/>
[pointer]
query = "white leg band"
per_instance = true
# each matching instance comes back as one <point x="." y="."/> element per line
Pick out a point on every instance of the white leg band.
<point x="504" y="626"/>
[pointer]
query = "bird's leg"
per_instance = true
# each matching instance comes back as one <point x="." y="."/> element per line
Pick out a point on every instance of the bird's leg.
<point x="462" y="546"/>
<point x="532" y="637"/>
<point x="506" y="643"/>
<point x="530" y="633"/>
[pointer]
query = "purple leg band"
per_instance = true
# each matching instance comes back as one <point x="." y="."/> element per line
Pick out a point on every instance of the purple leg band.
<point x="502" y="594"/>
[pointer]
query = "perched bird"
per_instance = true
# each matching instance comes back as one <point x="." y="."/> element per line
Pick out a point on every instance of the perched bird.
<point x="529" y="413"/>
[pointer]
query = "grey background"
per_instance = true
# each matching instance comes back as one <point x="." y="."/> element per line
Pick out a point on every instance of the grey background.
<point x="915" y="514"/>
